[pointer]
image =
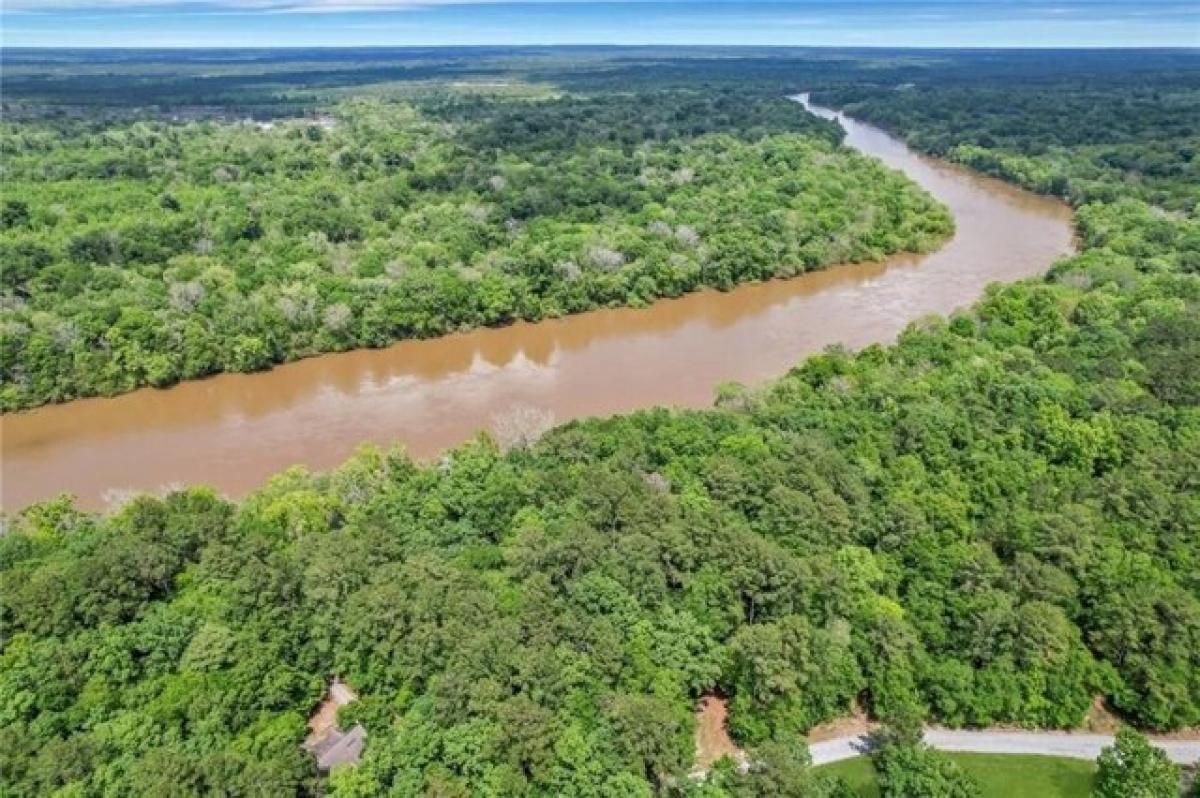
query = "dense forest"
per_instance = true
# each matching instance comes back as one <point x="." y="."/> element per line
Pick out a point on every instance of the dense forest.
<point x="1127" y="138"/>
<point x="146" y="252"/>
<point x="994" y="520"/>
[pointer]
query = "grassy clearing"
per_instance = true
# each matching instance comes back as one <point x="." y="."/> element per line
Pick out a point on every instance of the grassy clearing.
<point x="999" y="775"/>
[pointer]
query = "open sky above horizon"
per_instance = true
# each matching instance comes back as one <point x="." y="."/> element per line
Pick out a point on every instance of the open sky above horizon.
<point x="890" y="23"/>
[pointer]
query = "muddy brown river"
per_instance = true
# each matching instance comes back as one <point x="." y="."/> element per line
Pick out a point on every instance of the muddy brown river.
<point x="233" y="431"/>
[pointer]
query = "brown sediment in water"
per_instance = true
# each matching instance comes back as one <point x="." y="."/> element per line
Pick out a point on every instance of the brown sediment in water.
<point x="235" y="430"/>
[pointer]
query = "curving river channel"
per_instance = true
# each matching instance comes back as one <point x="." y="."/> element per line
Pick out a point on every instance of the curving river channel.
<point x="235" y="430"/>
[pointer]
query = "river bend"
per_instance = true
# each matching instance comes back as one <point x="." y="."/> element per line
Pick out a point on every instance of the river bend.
<point x="234" y="430"/>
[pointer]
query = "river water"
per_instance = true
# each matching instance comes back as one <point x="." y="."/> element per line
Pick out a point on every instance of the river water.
<point x="233" y="431"/>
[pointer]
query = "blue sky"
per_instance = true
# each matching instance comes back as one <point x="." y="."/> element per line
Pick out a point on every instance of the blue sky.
<point x="306" y="23"/>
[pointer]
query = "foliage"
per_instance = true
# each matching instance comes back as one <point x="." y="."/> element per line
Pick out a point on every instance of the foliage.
<point x="998" y="775"/>
<point x="775" y="768"/>
<point x="1088" y="139"/>
<point x="991" y="521"/>
<point x="143" y="253"/>
<point x="984" y="522"/>
<point x="1132" y="768"/>
<point x="908" y="768"/>
<point x="917" y="771"/>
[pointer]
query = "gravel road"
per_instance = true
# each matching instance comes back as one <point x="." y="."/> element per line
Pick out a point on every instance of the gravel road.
<point x="1069" y="744"/>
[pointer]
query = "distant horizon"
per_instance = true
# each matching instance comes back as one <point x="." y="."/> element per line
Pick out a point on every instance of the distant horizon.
<point x="867" y="24"/>
<point x="612" y="45"/>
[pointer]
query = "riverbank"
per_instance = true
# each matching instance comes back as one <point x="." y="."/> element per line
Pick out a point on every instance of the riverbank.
<point x="236" y="430"/>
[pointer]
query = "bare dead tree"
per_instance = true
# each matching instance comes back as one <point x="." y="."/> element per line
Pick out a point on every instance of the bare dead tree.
<point x="606" y="259"/>
<point x="337" y="316"/>
<point x="686" y="234"/>
<point x="520" y="426"/>
<point x="185" y="296"/>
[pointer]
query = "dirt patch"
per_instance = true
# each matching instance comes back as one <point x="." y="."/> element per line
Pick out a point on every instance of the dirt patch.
<point x="321" y="722"/>
<point x="854" y="725"/>
<point x="1187" y="735"/>
<point x="1100" y="718"/>
<point x="712" y="736"/>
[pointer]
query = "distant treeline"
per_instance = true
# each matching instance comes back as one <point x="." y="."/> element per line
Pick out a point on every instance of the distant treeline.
<point x="282" y="81"/>
<point x="1084" y="140"/>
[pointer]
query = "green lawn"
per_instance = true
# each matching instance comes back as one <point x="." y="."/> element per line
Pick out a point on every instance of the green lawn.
<point x="1000" y="775"/>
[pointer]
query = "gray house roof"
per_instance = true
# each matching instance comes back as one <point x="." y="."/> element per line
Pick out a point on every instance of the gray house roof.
<point x="340" y="748"/>
<point x="326" y="742"/>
